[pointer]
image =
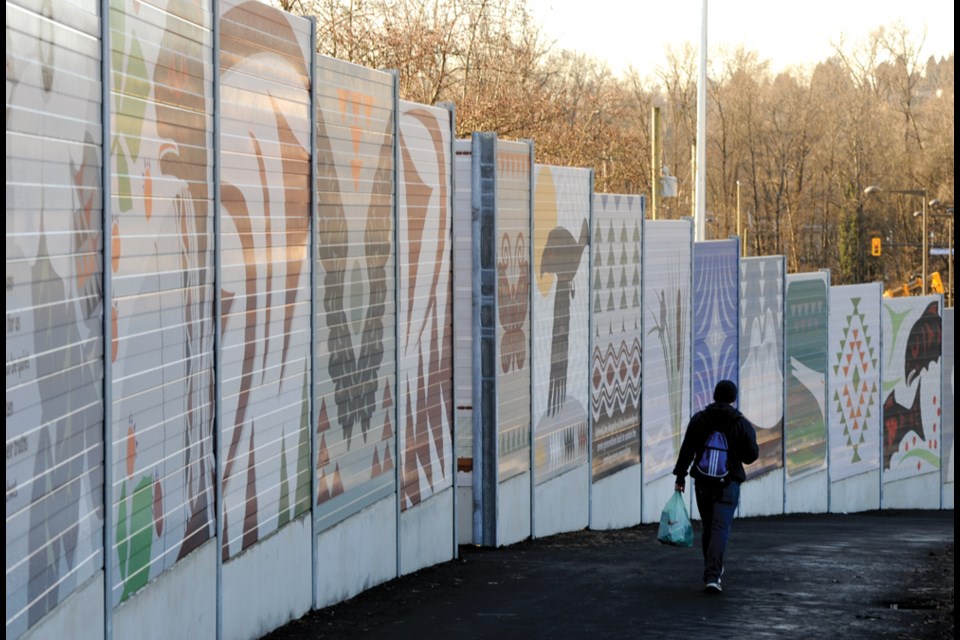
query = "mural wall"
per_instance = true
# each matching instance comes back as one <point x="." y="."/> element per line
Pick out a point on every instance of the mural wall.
<point x="716" y="292"/>
<point x="805" y="334"/>
<point x="513" y="307"/>
<point x="561" y="342"/>
<point x="616" y="360"/>
<point x="912" y="341"/>
<point x="384" y="393"/>
<point x="265" y="270"/>
<point x="667" y="259"/>
<point x="761" y="357"/>
<point x="425" y="304"/>
<point x="54" y="308"/>
<point x="948" y="414"/>
<point x="161" y="156"/>
<point x="356" y="320"/>
<point x="853" y="367"/>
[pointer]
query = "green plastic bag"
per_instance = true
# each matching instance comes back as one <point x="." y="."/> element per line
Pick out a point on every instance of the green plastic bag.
<point x="675" y="528"/>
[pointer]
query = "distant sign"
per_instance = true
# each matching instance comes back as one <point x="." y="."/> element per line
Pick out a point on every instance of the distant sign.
<point x="668" y="186"/>
<point x="940" y="251"/>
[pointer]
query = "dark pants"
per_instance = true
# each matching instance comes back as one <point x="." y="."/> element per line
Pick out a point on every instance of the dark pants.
<point x="717" y="507"/>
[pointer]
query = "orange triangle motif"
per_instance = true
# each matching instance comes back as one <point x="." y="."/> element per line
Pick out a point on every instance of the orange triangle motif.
<point x="323" y="455"/>
<point x="337" y="483"/>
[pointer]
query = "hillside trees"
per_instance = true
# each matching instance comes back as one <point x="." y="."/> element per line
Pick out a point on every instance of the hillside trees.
<point x="803" y="144"/>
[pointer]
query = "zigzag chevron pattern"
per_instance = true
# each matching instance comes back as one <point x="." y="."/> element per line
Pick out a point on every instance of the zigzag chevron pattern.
<point x="615" y="377"/>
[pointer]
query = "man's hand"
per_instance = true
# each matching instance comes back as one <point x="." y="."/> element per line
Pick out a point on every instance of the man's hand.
<point x="679" y="485"/>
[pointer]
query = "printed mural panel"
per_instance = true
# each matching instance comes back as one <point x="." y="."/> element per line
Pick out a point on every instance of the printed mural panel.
<point x="805" y="335"/>
<point x="617" y="337"/>
<point x="716" y="290"/>
<point x="912" y="341"/>
<point x="265" y="270"/>
<point x="948" y="397"/>
<point x="54" y="312"/>
<point x="667" y="260"/>
<point x="463" y="309"/>
<point x="162" y="224"/>
<point x="513" y="308"/>
<point x="853" y="359"/>
<point x="561" y="342"/>
<point x="761" y="357"/>
<point x="356" y="361"/>
<point x="425" y="311"/>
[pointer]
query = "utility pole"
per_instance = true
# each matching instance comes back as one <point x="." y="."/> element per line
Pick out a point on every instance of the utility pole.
<point x="655" y="162"/>
<point x="700" y="216"/>
<point x="695" y="200"/>
<point x="739" y="235"/>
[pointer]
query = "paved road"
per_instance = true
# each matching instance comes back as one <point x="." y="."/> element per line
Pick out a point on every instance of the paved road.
<point x="873" y="575"/>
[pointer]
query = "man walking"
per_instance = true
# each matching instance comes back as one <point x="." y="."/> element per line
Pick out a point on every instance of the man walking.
<point x="720" y="440"/>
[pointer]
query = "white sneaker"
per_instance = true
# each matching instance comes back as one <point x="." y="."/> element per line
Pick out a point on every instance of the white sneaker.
<point x="713" y="587"/>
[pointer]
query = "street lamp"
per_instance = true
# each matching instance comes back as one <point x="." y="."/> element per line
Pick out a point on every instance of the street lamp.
<point x="923" y="197"/>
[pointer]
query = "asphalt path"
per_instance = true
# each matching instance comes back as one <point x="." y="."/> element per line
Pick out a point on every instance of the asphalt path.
<point x="876" y="575"/>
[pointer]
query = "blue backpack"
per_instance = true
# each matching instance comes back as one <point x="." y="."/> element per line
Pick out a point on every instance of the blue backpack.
<point x="713" y="458"/>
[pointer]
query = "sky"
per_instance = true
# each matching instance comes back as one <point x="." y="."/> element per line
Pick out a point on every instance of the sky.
<point x="636" y="32"/>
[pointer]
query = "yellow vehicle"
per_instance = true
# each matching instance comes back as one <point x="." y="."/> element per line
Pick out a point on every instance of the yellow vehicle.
<point x="915" y="287"/>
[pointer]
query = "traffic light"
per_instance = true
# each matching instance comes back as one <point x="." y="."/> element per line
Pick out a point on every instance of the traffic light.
<point x="875" y="246"/>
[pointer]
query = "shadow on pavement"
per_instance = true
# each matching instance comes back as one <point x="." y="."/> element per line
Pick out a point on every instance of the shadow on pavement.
<point x="881" y="574"/>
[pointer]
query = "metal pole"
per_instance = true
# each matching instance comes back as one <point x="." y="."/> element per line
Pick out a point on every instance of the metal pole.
<point x="106" y="204"/>
<point x="656" y="169"/>
<point x="925" y="240"/>
<point x="950" y="265"/>
<point x="738" y="218"/>
<point x="219" y="452"/>
<point x="693" y="181"/>
<point x="314" y="289"/>
<point x="701" y="182"/>
<point x="397" y="274"/>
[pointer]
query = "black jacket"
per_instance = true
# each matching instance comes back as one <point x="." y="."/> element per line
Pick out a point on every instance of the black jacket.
<point x="741" y="440"/>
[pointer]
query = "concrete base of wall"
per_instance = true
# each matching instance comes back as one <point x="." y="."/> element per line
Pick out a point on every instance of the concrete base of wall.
<point x="921" y="492"/>
<point x="79" y="615"/>
<point x="808" y="494"/>
<point x="615" y="502"/>
<point x="562" y="503"/>
<point x="269" y="584"/>
<point x="464" y="514"/>
<point x="513" y="510"/>
<point x="856" y="493"/>
<point x="426" y="533"/>
<point x="655" y="496"/>
<point x="762" y="496"/>
<point x="947" y="499"/>
<point x="180" y="603"/>
<point x="358" y="553"/>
